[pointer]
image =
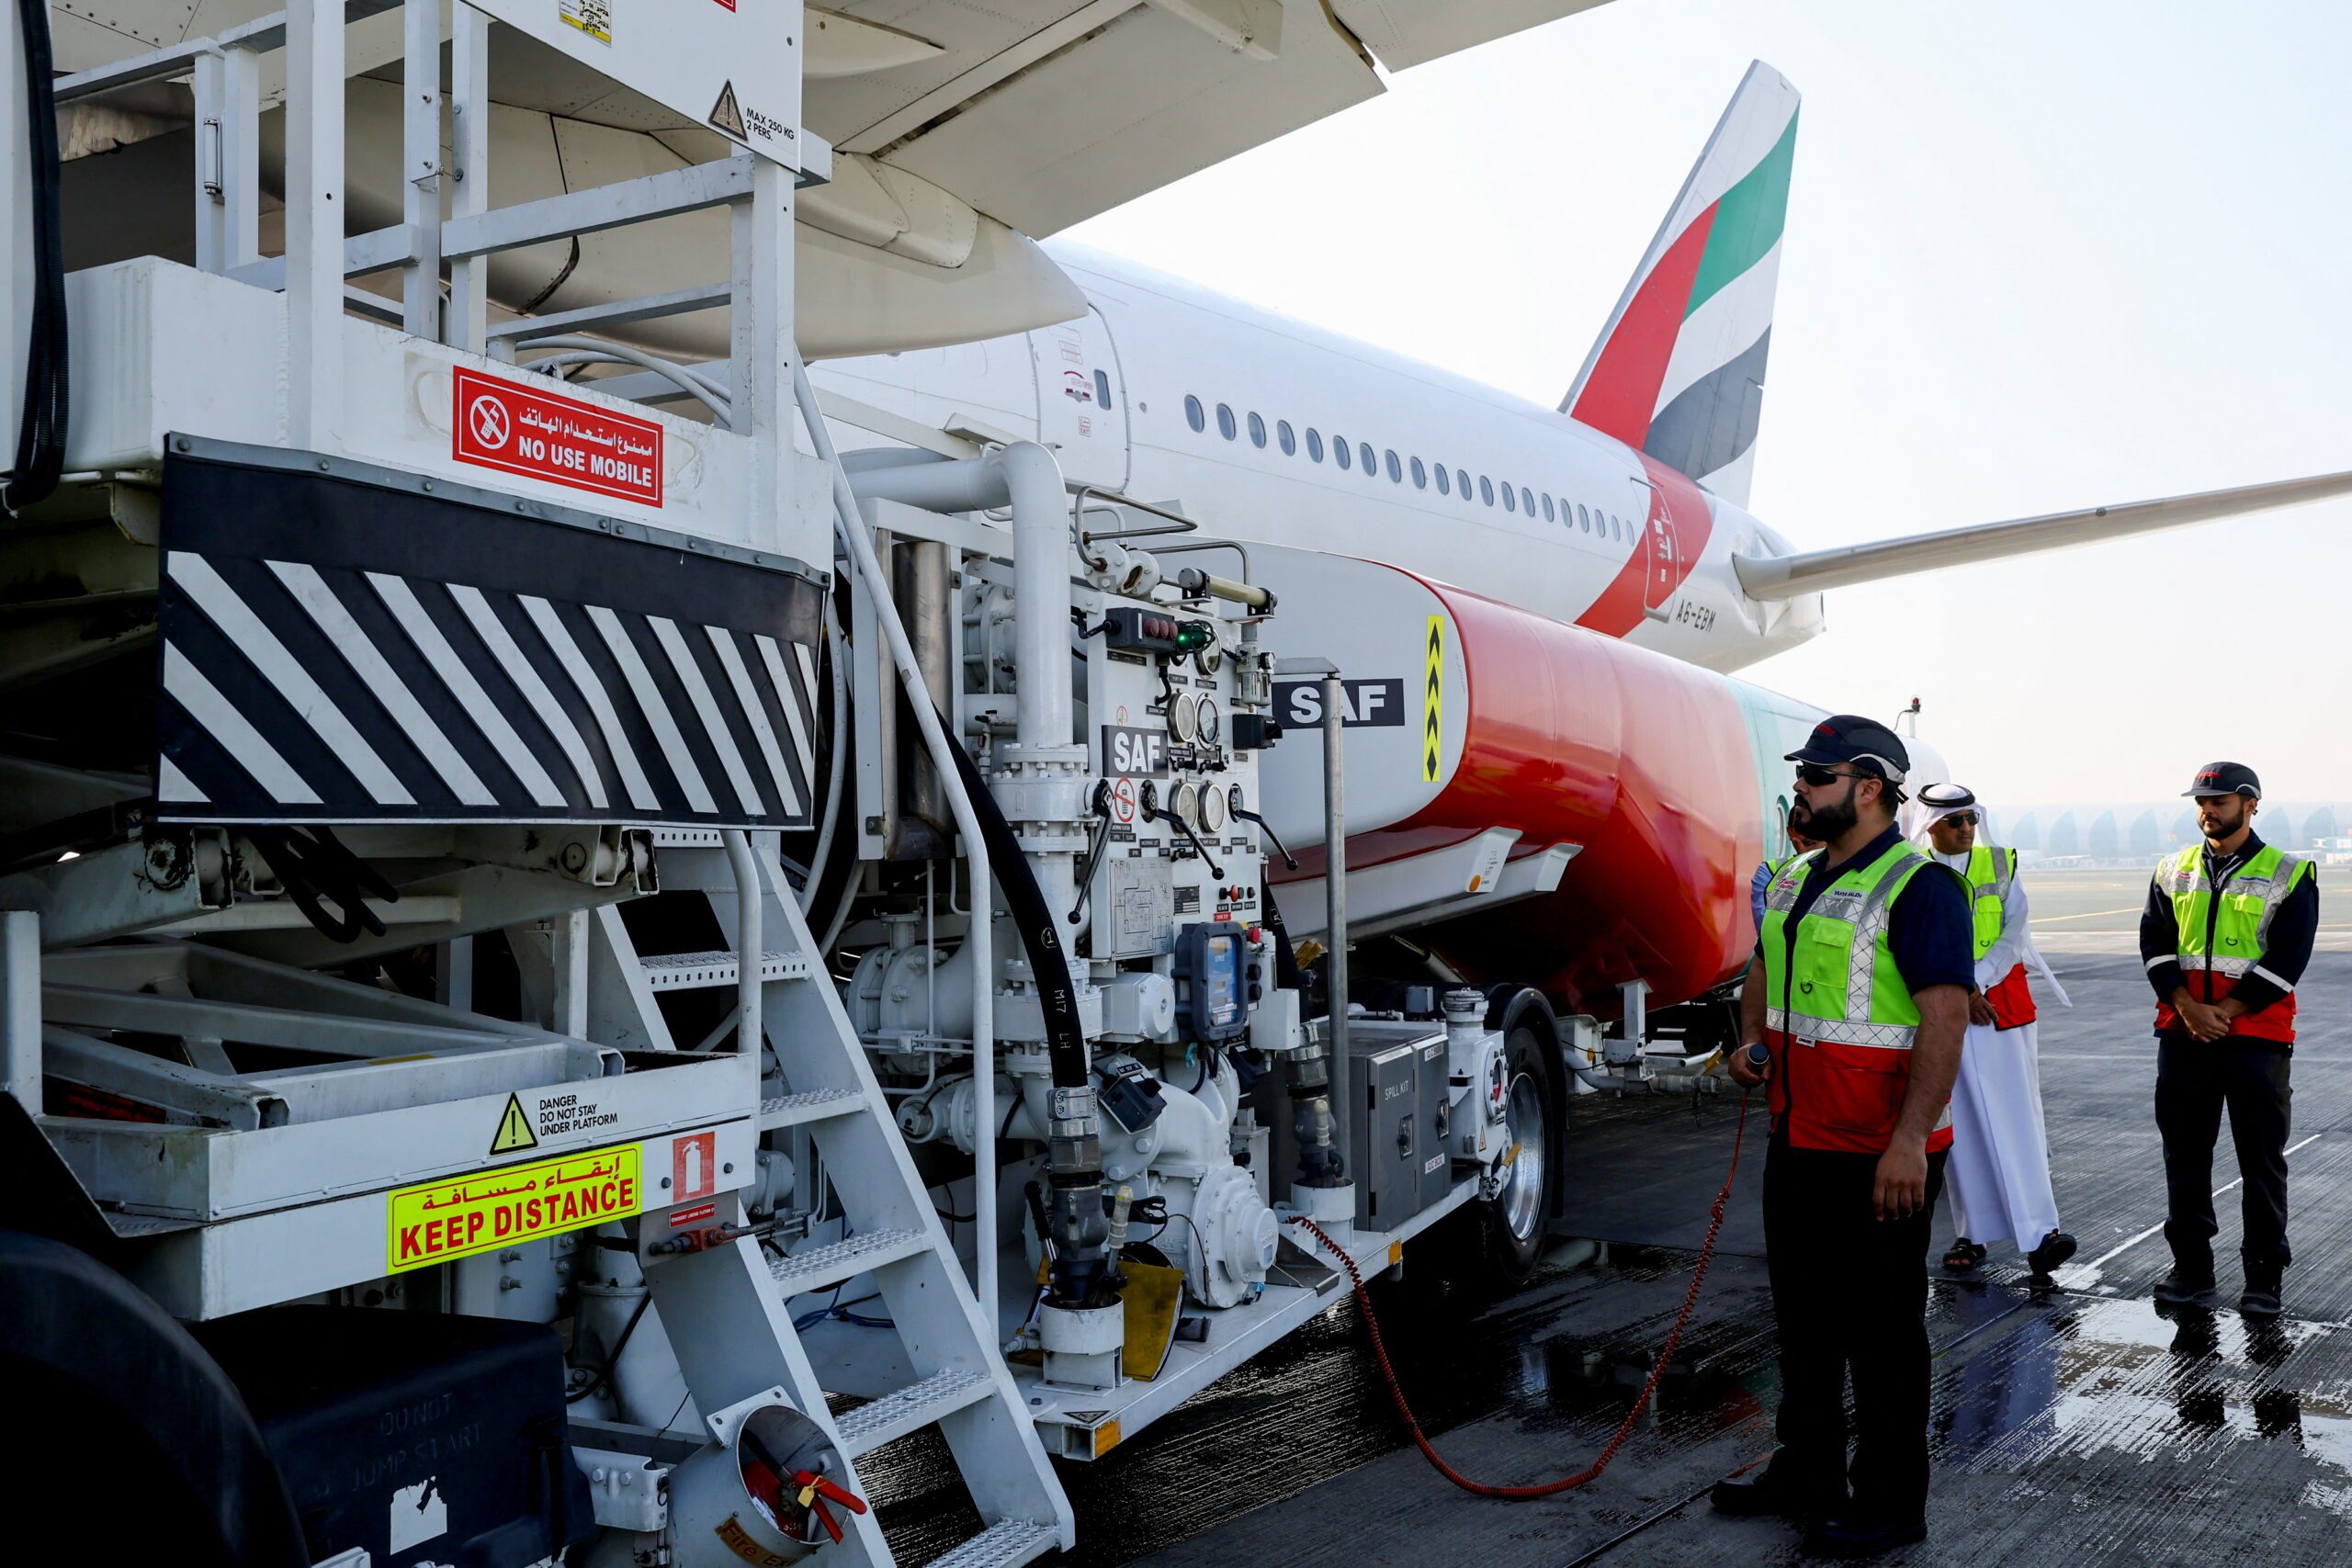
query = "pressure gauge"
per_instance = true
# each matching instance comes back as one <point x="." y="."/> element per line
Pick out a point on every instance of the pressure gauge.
<point x="1235" y="802"/>
<point x="1212" y="809"/>
<point x="1211" y="657"/>
<point x="1184" y="717"/>
<point x="1187" y="806"/>
<point x="1208" y="720"/>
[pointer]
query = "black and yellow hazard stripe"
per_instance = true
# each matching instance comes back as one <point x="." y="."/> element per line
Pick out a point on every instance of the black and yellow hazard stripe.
<point x="1432" y="696"/>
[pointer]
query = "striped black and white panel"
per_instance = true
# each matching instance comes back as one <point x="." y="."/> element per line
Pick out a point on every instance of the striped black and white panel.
<point x="420" y="658"/>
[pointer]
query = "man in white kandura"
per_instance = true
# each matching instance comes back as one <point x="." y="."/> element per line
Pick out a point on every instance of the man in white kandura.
<point x="1999" y="1173"/>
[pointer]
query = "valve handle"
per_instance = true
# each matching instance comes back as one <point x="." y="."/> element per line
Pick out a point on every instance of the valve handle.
<point x="1289" y="860"/>
<point x="1152" y="813"/>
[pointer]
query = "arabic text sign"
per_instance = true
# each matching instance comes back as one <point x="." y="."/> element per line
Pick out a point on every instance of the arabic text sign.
<point x="460" y="1216"/>
<point x="498" y="424"/>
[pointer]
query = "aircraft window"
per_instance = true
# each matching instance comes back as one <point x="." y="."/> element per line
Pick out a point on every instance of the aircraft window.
<point x="1314" y="444"/>
<point x="1444" y="485"/>
<point x="1224" y="424"/>
<point x="1339" y="453"/>
<point x="1617" y="527"/>
<point x="1584" y="519"/>
<point x="1508" y="504"/>
<point x="1485" y="490"/>
<point x="1371" y="469"/>
<point x="1527" y="500"/>
<point x="1396" y="469"/>
<point x="1547" y="508"/>
<point x="1420" y="476"/>
<point x="1257" y="430"/>
<point x="1289" y="441"/>
<point x="1462" y="483"/>
<point x="1192" y="415"/>
<point x="1103" y="387"/>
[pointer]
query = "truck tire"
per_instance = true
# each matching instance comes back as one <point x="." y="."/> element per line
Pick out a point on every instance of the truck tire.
<point x="1514" y="1224"/>
<point x="143" y="1445"/>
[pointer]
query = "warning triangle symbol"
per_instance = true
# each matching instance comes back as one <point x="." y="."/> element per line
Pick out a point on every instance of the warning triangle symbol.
<point x="725" y="115"/>
<point x="513" y="1129"/>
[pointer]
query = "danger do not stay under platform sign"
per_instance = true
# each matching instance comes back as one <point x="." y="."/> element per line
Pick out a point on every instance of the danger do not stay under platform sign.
<point x="460" y="1216"/>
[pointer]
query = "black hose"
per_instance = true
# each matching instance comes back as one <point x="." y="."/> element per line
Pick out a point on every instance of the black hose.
<point x="1082" y="1275"/>
<point x="40" y="438"/>
<point x="1025" y="902"/>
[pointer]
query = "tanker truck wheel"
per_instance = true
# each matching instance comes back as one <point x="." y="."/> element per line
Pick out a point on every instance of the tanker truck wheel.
<point x="139" y="1444"/>
<point x="1494" y="1245"/>
<point x="1513" y="1226"/>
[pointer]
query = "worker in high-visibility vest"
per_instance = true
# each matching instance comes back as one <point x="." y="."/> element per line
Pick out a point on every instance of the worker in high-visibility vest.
<point x="2225" y="936"/>
<point x="1998" y="1175"/>
<point x="1857" y="997"/>
<point x="1772" y="865"/>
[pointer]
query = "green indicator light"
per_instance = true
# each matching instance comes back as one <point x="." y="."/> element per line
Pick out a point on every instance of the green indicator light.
<point x="1193" y="635"/>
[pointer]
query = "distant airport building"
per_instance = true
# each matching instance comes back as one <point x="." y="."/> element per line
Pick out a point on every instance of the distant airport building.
<point x="2139" y="832"/>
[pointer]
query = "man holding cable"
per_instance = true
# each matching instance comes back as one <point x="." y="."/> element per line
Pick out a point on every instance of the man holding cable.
<point x="1859" y="1000"/>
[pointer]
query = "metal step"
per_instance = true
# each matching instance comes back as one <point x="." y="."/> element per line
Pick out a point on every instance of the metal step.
<point x="792" y="1109"/>
<point x="915" y="1407"/>
<point x="687" y="838"/>
<point x="801" y="1273"/>
<point x="706" y="971"/>
<point x="1004" y="1544"/>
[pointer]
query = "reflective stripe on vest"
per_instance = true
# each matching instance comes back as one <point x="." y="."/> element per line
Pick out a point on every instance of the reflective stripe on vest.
<point x="2240" y="923"/>
<point x="1989" y="871"/>
<point x="1845" y="984"/>
<point x="1840" y="1021"/>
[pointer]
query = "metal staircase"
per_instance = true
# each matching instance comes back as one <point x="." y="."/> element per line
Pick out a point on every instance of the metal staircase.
<point x="883" y="1236"/>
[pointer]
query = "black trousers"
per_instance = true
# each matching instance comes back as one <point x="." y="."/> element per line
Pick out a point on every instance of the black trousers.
<point x="1850" y="1295"/>
<point x="2195" y="1083"/>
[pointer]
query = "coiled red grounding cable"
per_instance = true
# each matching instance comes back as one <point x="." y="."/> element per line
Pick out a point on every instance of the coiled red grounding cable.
<point x="1641" y="1402"/>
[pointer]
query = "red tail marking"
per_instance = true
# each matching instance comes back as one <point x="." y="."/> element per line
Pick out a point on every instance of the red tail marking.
<point x="1622" y="392"/>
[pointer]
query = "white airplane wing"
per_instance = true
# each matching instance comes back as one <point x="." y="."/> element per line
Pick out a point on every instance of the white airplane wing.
<point x="1041" y="113"/>
<point x="1792" y="577"/>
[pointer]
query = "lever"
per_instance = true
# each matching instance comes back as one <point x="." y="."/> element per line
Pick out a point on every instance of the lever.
<point x="1152" y="813"/>
<point x="1101" y="806"/>
<point x="1234" y="808"/>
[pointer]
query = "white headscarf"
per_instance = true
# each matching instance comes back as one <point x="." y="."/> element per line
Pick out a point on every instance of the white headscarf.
<point x="1935" y="803"/>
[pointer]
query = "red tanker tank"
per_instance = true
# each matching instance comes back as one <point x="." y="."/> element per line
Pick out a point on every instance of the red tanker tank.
<point x="1657" y="773"/>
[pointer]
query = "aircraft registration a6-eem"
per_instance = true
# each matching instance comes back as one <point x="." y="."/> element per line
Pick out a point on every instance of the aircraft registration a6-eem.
<point x="549" y="914"/>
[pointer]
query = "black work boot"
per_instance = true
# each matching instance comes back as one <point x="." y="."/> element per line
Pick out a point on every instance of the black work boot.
<point x="2260" y="1300"/>
<point x="2188" y="1285"/>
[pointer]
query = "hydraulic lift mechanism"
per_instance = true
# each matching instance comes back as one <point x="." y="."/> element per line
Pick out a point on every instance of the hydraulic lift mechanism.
<point x="573" y="968"/>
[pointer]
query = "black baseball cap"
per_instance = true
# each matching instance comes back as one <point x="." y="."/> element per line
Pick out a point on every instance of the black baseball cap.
<point x="2225" y="778"/>
<point x="1862" y="743"/>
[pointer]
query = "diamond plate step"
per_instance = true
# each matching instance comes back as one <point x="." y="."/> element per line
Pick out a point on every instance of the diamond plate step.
<point x="917" y="1405"/>
<point x="817" y="1268"/>
<point x="1004" y="1544"/>
<point x="792" y="1109"/>
<point x="704" y="971"/>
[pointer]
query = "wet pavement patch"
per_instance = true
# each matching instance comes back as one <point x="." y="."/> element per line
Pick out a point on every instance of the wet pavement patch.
<point x="2075" y="1427"/>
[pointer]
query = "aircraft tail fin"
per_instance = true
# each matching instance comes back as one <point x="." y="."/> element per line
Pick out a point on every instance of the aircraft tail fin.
<point x="1679" y="371"/>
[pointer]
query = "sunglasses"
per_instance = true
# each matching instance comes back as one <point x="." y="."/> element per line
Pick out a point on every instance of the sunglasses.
<point x="1818" y="777"/>
<point x="1960" y="819"/>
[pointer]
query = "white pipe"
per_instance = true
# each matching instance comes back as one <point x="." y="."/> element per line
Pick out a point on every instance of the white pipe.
<point x="1025" y="477"/>
<point x="851" y="526"/>
<point x="749" y="948"/>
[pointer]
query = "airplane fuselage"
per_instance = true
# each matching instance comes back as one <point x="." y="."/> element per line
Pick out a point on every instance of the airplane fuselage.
<point x="1263" y="428"/>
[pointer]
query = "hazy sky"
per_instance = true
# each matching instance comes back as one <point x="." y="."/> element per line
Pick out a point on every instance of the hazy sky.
<point x="2038" y="256"/>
